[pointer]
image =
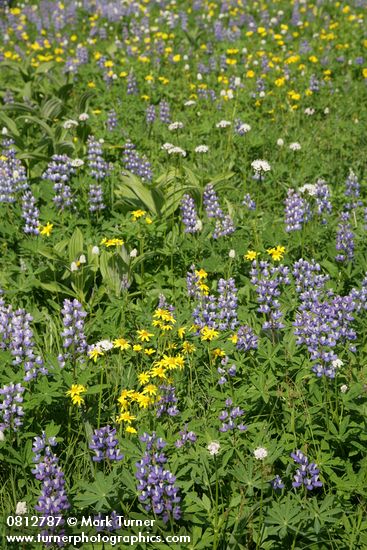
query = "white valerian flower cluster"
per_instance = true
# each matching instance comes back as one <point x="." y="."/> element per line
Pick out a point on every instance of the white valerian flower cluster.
<point x="83" y="117"/>
<point x="77" y="163"/>
<point x="295" y="146"/>
<point x="70" y="124"/>
<point x="175" y="126"/>
<point x="223" y="124"/>
<point x="260" y="453"/>
<point x="243" y="128"/>
<point x="309" y="188"/>
<point x="201" y="149"/>
<point x="189" y="103"/>
<point x="173" y="150"/>
<point x="261" y="165"/>
<point x="213" y="448"/>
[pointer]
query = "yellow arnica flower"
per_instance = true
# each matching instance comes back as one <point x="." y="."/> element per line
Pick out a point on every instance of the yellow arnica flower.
<point x="74" y="393"/>
<point x="130" y="430"/>
<point x="208" y="334"/>
<point x="125" y="417"/>
<point x="276" y="253"/>
<point x="45" y="229"/>
<point x="112" y="242"/>
<point x="121" y="343"/>
<point x="144" y="335"/>
<point x="143" y="378"/>
<point x="136" y="214"/>
<point x="94" y="354"/>
<point x="188" y="348"/>
<point x="150" y="389"/>
<point x="251" y="255"/>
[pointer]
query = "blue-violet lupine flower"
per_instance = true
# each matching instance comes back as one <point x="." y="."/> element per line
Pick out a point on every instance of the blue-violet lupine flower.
<point x="105" y="445"/>
<point x="10" y="409"/>
<point x="74" y="340"/>
<point x="307" y="474"/>
<point x="156" y="484"/>
<point x="189" y="214"/>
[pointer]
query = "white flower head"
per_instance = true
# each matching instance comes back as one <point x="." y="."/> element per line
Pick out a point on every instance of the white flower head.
<point x="83" y="116"/>
<point x="344" y="388"/>
<point x="4" y="131"/>
<point x="201" y="149"/>
<point x="76" y="163"/>
<point x="2" y="436"/>
<point x="69" y="124"/>
<point x="337" y="363"/>
<point x="309" y="111"/>
<point x="176" y="151"/>
<point x="133" y="253"/>
<point x="198" y="225"/>
<point x="175" y="126"/>
<point x="280" y="142"/>
<point x="295" y="146"/>
<point x="261" y="165"/>
<point x="82" y="259"/>
<point x="95" y="250"/>
<point x="21" y="509"/>
<point x="189" y="103"/>
<point x="310" y="188"/>
<point x="167" y="146"/>
<point x="232" y="253"/>
<point x="223" y="124"/>
<point x="260" y="453"/>
<point x="243" y="128"/>
<point x="213" y="448"/>
<point x="104" y="345"/>
<point x="74" y="266"/>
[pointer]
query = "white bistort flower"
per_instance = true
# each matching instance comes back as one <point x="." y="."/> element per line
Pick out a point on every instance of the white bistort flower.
<point x="83" y="117"/>
<point x="95" y="250"/>
<point x="280" y="142"/>
<point x="243" y="128"/>
<point x="344" y="388"/>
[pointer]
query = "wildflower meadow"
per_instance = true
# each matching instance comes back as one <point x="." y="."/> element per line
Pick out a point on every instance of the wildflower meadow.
<point x="183" y="280"/>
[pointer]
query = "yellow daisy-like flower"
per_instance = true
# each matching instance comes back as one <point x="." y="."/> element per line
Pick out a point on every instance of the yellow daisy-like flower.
<point x="251" y="255"/>
<point x="46" y="229"/>
<point x="159" y="372"/>
<point x="144" y="335"/>
<point x="94" y="354"/>
<point x="137" y="347"/>
<point x="148" y="220"/>
<point x="112" y="242"/>
<point x="121" y="344"/>
<point x="217" y="352"/>
<point x="144" y="401"/>
<point x="136" y="214"/>
<point x="188" y="348"/>
<point x="143" y="378"/>
<point x="208" y="334"/>
<point x="151" y="389"/>
<point x="233" y="338"/>
<point x="276" y="253"/>
<point x="130" y="430"/>
<point x="125" y="417"/>
<point x="74" y="394"/>
<point x="181" y="332"/>
<point x="149" y="351"/>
